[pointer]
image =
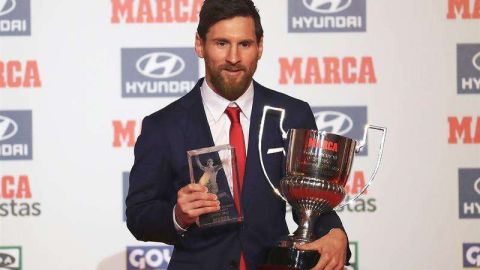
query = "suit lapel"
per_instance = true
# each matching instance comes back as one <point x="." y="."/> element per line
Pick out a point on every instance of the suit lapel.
<point x="197" y="130"/>
<point x="252" y="164"/>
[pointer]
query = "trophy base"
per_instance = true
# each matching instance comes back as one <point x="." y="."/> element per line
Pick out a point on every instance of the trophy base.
<point x="289" y="258"/>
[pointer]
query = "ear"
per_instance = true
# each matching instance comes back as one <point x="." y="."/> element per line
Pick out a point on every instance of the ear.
<point x="260" y="48"/>
<point x="199" y="46"/>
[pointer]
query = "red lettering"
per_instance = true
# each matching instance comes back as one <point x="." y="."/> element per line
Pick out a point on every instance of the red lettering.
<point x="367" y="71"/>
<point x="144" y="12"/>
<point x="180" y="13"/>
<point x="476" y="10"/>
<point x="332" y="66"/>
<point x="349" y="63"/>
<point x="158" y="11"/>
<point x="358" y="182"/>
<point x="163" y="14"/>
<point x="289" y="71"/>
<point x="455" y="6"/>
<point x="312" y="72"/>
<point x="12" y="74"/>
<point x="124" y="133"/>
<point x="32" y="78"/>
<point x="335" y="70"/>
<point x="23" y="189"/>
<point x="20" y="191"/>
<point x="124" y="10"/>
<point x="312" y="142"/>
<point x="459" y="130"/>
<point x="14" y="79"/>
<point x="8" y="190"/>
<point x="197" y="6"/>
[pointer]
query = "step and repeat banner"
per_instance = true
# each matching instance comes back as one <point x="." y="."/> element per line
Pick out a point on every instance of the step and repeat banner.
<point x="77" y="78"/>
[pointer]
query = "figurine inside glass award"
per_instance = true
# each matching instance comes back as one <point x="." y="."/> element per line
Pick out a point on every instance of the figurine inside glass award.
<point x="216" y="168"/>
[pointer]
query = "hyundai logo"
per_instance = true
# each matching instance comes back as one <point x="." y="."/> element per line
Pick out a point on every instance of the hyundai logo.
<point x="6" y="260"/>
<point x="6" y="6"/>
<point x="327" y="6"/>
<point x="473" y="256"/>
<point x="476" y="186"/>
<point x="476" y="61"/>
<point x="160" y="65"/>
<point x="8" y="127"/>
<point x="335" y="122"/>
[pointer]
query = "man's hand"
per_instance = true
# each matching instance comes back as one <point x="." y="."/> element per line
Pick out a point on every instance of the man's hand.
<point x="194" y="200"/>
<point x="332" y="248"/>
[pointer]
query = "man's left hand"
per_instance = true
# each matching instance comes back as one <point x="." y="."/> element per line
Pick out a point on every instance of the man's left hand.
<point x="332" y="248"/>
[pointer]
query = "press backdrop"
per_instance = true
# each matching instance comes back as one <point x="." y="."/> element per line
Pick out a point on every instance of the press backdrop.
<point x="77" y="77"/>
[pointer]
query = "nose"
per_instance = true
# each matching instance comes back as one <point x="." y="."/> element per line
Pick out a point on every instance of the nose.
<point x="233" y="56"/>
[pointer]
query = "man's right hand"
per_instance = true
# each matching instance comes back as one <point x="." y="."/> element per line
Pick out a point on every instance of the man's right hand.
<point x="194" y="200"/>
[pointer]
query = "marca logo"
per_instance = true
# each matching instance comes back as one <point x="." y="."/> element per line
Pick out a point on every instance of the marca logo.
<point x="160" y="65"/>
<point x="16" y="197"/>
<point x="354" y="259"/>
<point x="15" y="74"/>
<point x="126" y="184"/>
<point x="323" y="144"/>
<point x="11" y="258"/>
<point x="148" y="257"/>
<point x="345" y="121"/>
<point x="468" y="68"/>
<point x="155" y="11"/>
<point x="327" y="70"/>
<point x="469" y="192"/>
<point x="467" y="130"/>
<point x="471" y="255"/>
<point x="327" y="16"/>
<point x="14" y="17"/>
<point x="15" y="135"/>
<point x="158" y="72"/>
<point x="124" y="133"/>
<point x="467" y="9"/>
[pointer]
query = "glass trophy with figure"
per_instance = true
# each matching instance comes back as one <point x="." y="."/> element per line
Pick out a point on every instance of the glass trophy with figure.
<point x="216" y="168"/>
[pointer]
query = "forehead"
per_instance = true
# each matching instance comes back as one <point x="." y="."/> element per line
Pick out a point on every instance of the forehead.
<point x="236" y="28"/>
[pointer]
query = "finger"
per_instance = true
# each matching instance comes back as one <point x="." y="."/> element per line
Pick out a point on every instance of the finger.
<point x="196" y="196"/>
<point x="190" y="188"/>
<point x="324" y="259"/>
<point x="200" y="211"/>
<point x="308" y="246"/>
<point x="332" y="264"/>
<point x="201" y="204"/>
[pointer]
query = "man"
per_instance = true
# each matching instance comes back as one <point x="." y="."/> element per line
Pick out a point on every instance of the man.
<point x="162" y="205"/>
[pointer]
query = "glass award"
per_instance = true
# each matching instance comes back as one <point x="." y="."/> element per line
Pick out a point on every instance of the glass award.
<point x="216" y="168"/>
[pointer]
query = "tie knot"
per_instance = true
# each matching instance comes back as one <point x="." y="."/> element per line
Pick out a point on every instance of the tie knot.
<point x="234" y="114"/>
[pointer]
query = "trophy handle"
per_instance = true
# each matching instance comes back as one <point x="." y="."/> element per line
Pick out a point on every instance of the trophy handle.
<point x="260" y="137"/>
<point x="359" y="148"/>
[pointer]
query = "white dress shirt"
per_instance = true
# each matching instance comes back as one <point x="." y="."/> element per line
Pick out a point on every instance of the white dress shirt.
<point x="219" y="123"/>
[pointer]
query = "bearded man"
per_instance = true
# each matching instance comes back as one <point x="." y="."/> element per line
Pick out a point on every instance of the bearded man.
<point x="224" y="106"/>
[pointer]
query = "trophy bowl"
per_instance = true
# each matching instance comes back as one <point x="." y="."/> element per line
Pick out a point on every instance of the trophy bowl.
<point x="317" y="168"/>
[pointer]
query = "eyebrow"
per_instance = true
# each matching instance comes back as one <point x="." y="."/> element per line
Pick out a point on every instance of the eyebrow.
<point x="227" y="41"/>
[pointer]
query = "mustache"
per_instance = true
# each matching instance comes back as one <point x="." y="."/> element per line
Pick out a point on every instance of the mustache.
<point x="237" y="67"/>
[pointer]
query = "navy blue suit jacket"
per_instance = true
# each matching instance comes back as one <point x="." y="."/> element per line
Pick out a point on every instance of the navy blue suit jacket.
<point x="161" y="169"/>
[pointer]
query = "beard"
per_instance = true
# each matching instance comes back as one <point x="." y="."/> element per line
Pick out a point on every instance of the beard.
<point x="230" y="87"/>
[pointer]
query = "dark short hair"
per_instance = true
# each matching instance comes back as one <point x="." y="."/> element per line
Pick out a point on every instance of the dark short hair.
<point x="214" y="11"/>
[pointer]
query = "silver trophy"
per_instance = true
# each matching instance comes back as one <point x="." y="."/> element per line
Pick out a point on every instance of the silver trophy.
<point x="318" y="164"/>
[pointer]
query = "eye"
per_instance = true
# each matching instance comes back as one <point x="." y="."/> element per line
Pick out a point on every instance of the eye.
<point x="221" y="43"/>
<point x="245" y="44"/>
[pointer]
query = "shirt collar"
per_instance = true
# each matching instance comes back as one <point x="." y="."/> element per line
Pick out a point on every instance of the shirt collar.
<point x="217" y="104"/>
